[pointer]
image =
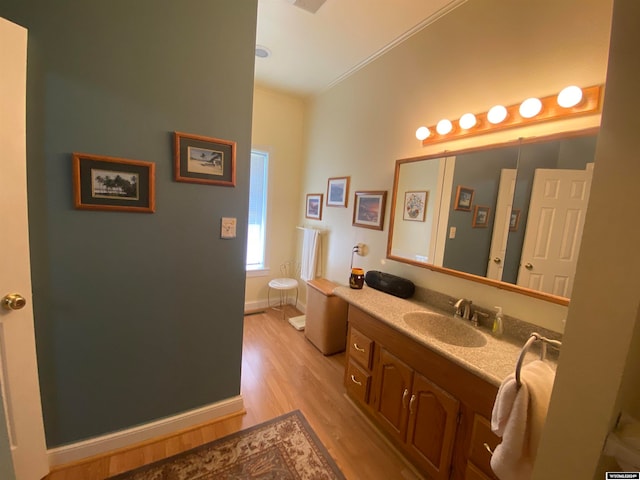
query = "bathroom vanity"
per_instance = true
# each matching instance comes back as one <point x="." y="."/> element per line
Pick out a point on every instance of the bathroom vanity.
<point x="432" y="398"/>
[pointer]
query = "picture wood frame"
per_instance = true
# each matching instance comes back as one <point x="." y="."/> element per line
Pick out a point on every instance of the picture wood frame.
<point x="338" y="191"/>
<point x="313" y="206"/>
<point x="368" y="209"/>
<point x="464" y="198"/>
<point x="514" y="220"/>
<point x="415" y="205"/>
<point x="481" y="216"/>
<point x="111" y="183"/>
<point x="204" y="160"/>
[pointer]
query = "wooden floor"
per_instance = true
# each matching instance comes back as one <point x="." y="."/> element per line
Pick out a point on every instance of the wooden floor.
<point x="281" y="371"/>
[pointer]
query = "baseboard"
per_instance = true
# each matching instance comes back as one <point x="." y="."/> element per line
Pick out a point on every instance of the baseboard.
<point x="259" y="305"/>
<point x="113" y="441"/>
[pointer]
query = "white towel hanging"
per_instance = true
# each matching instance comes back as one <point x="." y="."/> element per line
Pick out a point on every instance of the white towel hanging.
<point x="310" y="254"/>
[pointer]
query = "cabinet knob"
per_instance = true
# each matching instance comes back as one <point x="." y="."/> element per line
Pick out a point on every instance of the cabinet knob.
<point x="355" y="345"/>
<point x="353" y="379"/>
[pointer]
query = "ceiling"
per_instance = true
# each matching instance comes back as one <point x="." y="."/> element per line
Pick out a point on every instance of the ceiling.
<point x="310" y="52"/>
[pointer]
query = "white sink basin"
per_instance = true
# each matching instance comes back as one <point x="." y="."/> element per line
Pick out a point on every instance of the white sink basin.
<point x="445" y="329"/>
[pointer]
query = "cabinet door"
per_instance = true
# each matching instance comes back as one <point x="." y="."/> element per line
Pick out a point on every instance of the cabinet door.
<point x="393" y="382"/>
<point x="433" y="419"/>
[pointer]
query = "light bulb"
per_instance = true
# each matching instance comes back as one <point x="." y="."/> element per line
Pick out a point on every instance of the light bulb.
<point x="497" y="114"/>
<point x="467" y="121"/>
<point x="444" y="126"/>
<point x="422" y="133"/>
<point x="530" y="107"/>
<point x="570" y="96"/>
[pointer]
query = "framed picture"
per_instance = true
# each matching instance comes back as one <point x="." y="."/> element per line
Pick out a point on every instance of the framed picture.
<point x="313" y="209"/>
<point x="368" y="209"/>
<point x="204" y="160"/>
<point x="481" y="216"/>
<point x="464" y="199"/>
<point x="415" y="206"/>
<point x="514" y="220"/>
<point x="109" y="183"/>
<point x="337" y="191"/>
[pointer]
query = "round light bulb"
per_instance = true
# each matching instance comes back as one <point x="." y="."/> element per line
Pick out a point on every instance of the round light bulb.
<point x="467" y="121"/>
<point x="444" y="126"/>
<point x="422" y="133"/>
<point x="530" y="107"/>
<point x="497" y="114"/>
<point x="570" y="96"/>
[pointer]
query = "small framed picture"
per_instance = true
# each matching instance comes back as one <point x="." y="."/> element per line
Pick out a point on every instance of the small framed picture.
<point x="110" y="183"/>
<point x="464" y="199"/>
<point x="514" y="220"/>
<point x="368" y="209"/>
<point x="415" y="206"/>
<point x="481" y="216"/>
<point x="313" y="208"/>
<point x="337" y="191"/>
<point x="206" y="160"/>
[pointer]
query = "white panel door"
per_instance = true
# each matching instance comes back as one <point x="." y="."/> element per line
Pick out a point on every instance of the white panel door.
<point x="554" y="229"/>
<point x="18" y="367"/>
<point x="504" y="205"/>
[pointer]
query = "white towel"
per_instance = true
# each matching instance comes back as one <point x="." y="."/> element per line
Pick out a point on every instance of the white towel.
<point x="310" y="249"/>
<point x="518" y="417"/>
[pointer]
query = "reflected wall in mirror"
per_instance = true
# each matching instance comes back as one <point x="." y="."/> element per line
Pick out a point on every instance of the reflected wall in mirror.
<point x="535" y="192"/>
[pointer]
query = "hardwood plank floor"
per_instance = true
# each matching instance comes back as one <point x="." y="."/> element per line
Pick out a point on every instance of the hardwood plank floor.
<point x="281" y="371"/>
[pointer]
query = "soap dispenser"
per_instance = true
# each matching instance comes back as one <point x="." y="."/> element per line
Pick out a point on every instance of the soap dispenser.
<point x="498" y="327"/>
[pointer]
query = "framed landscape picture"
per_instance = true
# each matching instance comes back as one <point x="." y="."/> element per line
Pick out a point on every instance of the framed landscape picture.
<point x="337" y="191"/>
<point x="313" y="209"/>
<point x="368" y="209"/>
<point x="205" y="160"/>
<point x="464" y="198"/>
<point x="481" y="216"/>
<point x="110" y="183"/>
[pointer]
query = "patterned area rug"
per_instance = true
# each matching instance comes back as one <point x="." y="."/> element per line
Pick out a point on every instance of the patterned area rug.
<point x="283" y="448"/>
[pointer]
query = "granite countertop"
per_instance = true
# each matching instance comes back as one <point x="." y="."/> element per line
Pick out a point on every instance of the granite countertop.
<point x="493" y="361"/>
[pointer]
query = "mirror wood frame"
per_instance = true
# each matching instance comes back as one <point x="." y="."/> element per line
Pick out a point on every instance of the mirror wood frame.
<point x="468" y="276"/>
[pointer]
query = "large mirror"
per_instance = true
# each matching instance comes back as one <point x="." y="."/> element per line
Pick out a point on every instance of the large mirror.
<point x="508" y="215"/>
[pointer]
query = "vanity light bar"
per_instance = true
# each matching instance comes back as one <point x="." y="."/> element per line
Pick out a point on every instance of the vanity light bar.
<point x="550" y="110"/>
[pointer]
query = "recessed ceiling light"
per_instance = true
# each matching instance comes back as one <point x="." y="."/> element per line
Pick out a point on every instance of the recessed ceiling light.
<point x="262" y="52"/>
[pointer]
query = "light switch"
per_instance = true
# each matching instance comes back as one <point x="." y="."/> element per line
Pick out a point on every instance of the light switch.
<point x="452" y="232"/>
<point x="228" y="227"/>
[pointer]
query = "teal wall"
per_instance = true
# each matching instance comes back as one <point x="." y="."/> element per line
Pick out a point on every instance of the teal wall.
<point x="138" y="316"/>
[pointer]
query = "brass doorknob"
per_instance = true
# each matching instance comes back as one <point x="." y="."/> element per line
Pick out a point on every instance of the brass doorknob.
<point x="497" y="260"/>
<point x="13" y="301"/>
<point x="528" y="266"/>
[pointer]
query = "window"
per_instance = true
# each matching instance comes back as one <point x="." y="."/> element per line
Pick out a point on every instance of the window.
<point x="257" y="210"/>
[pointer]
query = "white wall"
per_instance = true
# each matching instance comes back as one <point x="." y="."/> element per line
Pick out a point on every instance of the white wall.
<point x="483" y="53"/>
<point x="278" y="128"/>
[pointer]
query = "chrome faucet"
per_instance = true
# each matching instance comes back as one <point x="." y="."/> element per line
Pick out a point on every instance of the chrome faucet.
<point x="463" y="308"/>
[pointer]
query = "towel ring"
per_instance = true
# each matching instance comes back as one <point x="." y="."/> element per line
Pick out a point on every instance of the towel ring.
<point x="543" y="351"/>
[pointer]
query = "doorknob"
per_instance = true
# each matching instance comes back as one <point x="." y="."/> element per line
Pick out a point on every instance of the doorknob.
<point x="528" y="266"/>
<point x="13" y="301"/>
<point x="497" y="260"/>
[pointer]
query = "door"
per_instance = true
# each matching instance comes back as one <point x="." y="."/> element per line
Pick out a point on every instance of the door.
<point x="393" y="392"/>
<point x="433" y="420"/>
<point x="504" y="205"/>
<point x="554" y="229"/>
<point x="18" y="368"/>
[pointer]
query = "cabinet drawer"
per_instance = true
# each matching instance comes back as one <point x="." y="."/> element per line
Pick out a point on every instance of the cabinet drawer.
<point x="480" y="435"/>
<point x="360" y="348"/>
<point x="357" y="382"/>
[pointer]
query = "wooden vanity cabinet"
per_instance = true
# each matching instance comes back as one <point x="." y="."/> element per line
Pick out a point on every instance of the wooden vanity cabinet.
<point x="432" y="409"/>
